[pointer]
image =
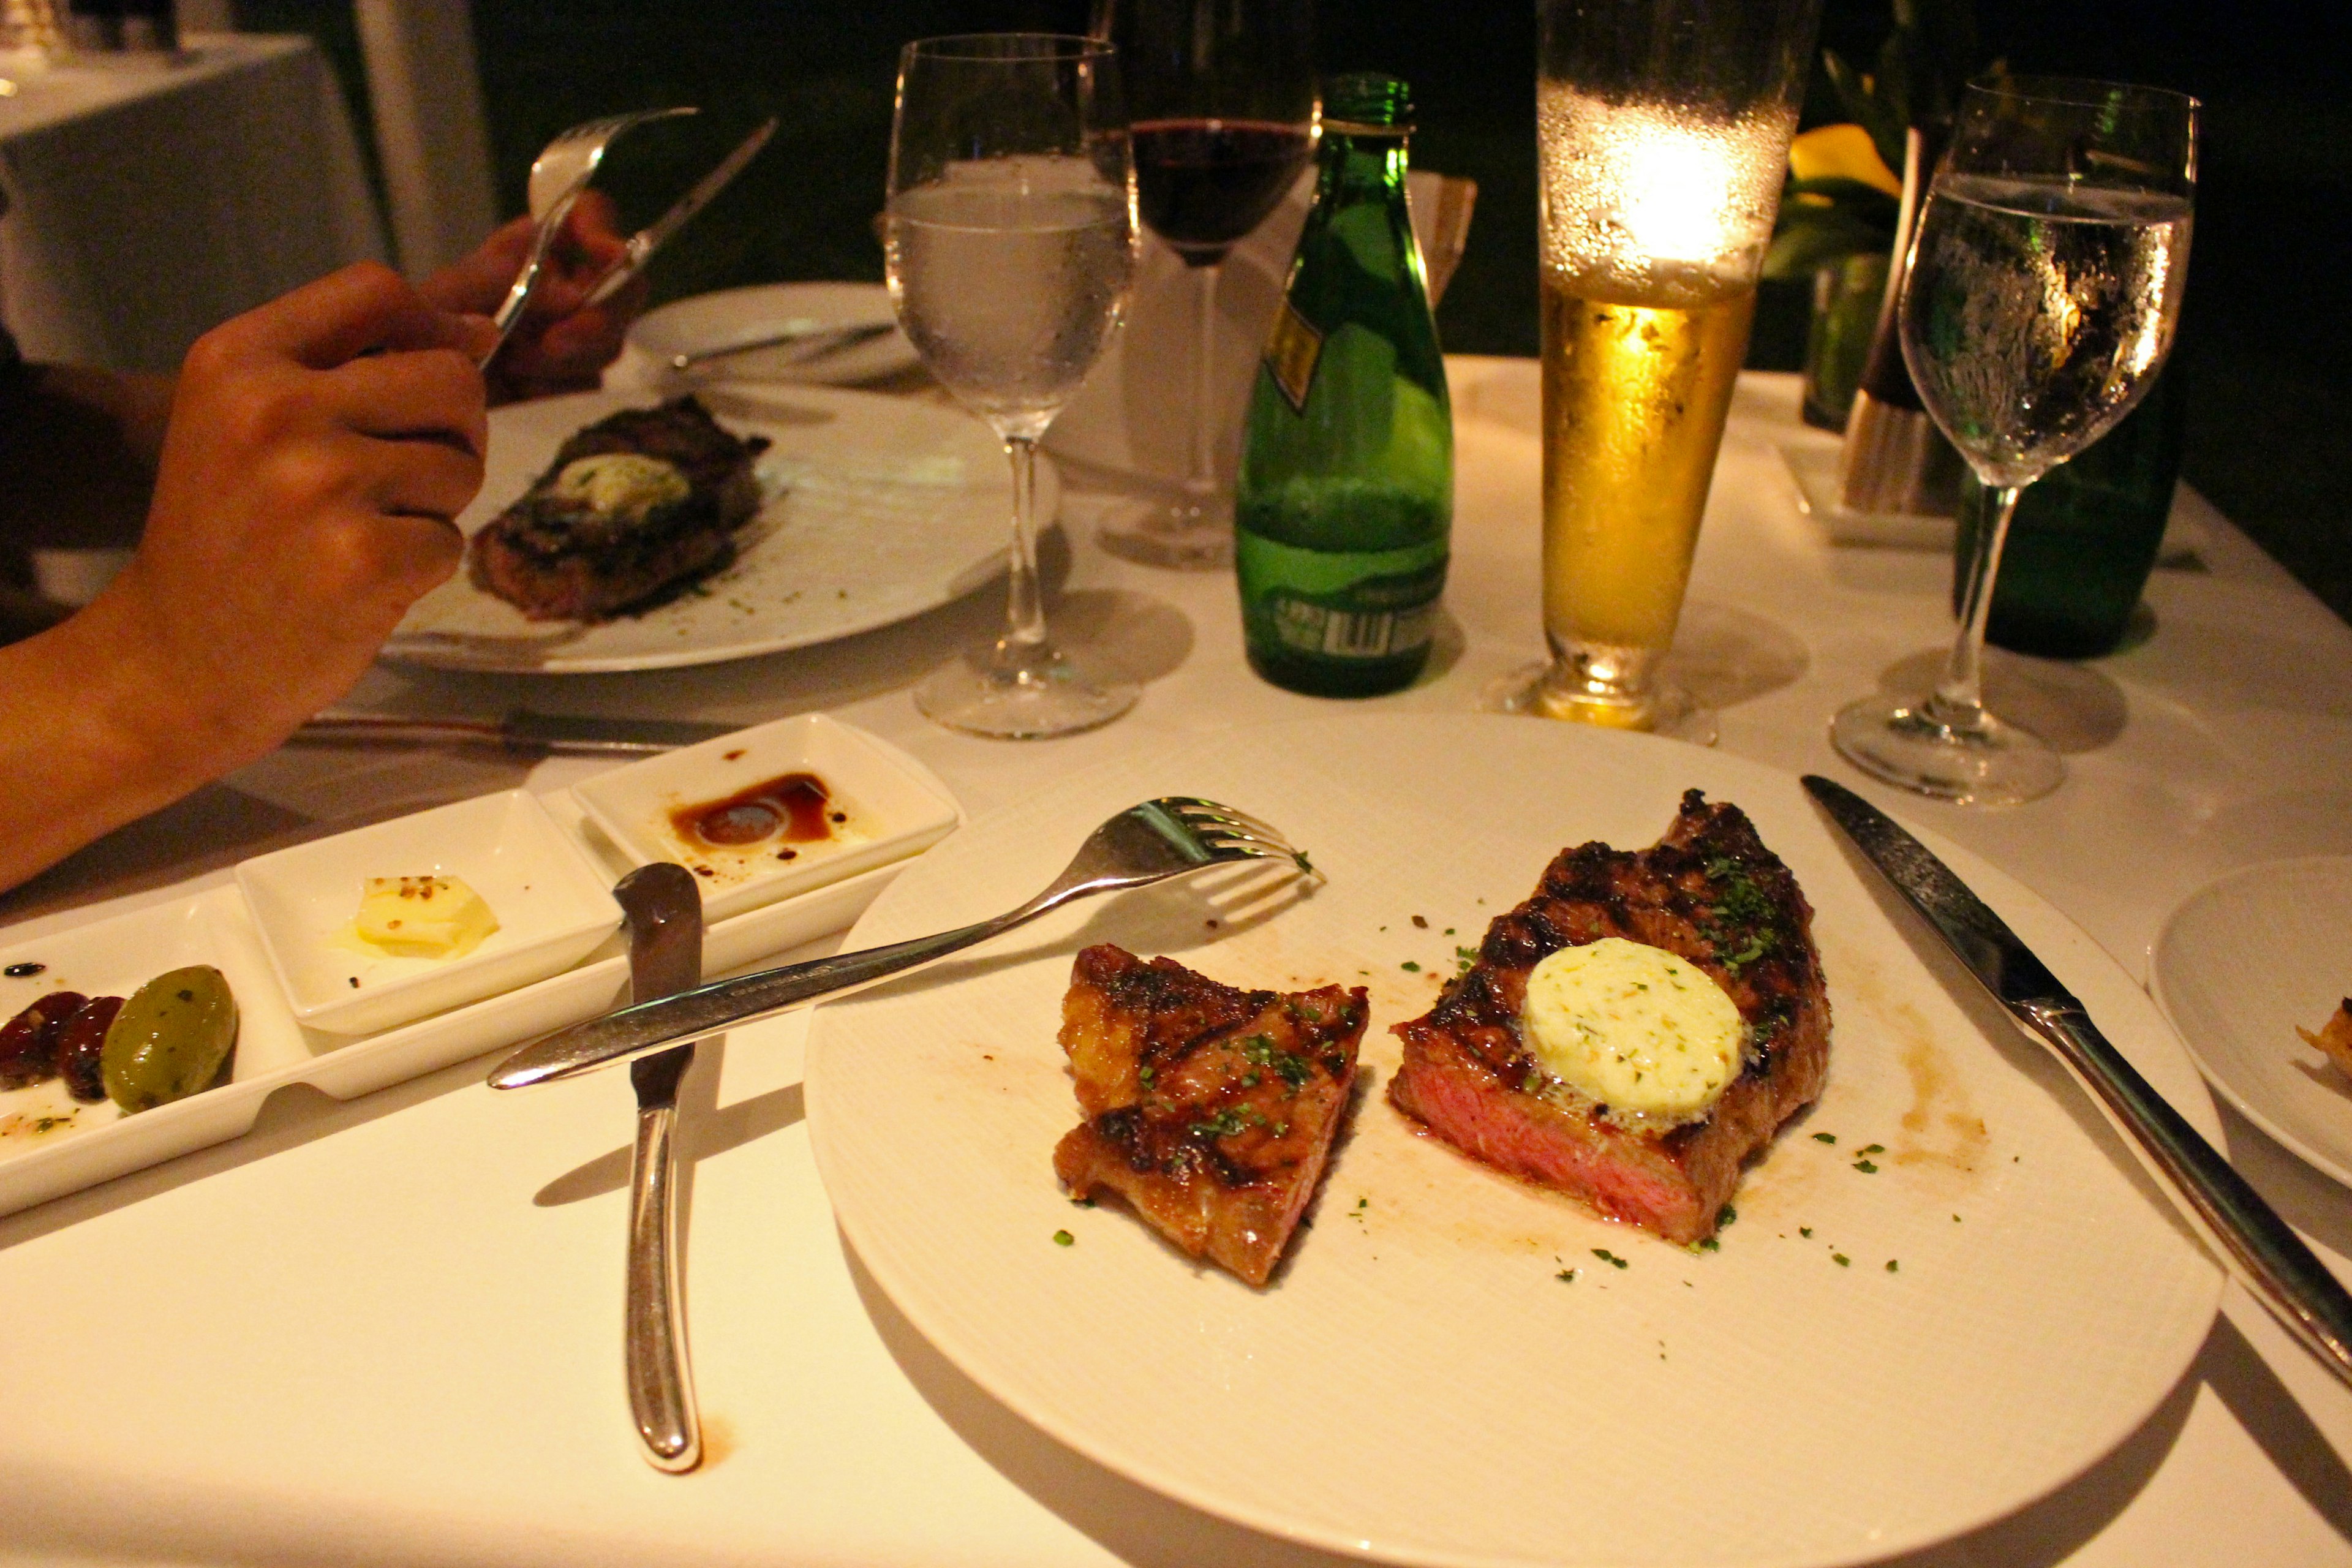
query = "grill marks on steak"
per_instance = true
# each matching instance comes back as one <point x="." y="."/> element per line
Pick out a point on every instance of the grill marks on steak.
<point x="1709" y="891"/>
<point x="555" y="561"/>
<point x="1209" y="1109"/>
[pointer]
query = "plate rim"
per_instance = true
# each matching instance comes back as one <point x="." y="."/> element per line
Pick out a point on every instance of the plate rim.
<point x="1190" y="1494"/>
<point x="416" y="648"/>
<point x="2218" y="1081"/>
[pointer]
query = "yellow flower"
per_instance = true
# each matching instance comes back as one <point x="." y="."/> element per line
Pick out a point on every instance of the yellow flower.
<point x="1844" y="152"/>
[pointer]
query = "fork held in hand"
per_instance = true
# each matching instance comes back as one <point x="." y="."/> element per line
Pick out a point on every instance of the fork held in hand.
<point x="1142" y="845"/>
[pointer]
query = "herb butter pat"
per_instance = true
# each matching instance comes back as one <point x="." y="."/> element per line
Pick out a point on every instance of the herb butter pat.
<point x="422" y="916"/>
<point x="623" y="484"/>
<point x="1635" y="1027"/>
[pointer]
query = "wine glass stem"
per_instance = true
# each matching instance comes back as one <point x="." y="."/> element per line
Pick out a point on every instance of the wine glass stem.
<point x="1202" y="480"/>
<point x="1024" y="608"/>
<point x="1959" y="695"/>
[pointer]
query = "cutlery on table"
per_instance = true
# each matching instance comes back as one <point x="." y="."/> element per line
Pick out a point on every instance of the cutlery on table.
<point x="2240" y="1229"/>
<point x="663" y="906"/>
<point x="1144" y="844"/>
<point x="815" y="341"/>
<point x="645" y="241"/>
<point x="558" y="175"/>
<point x="567" y="734"/>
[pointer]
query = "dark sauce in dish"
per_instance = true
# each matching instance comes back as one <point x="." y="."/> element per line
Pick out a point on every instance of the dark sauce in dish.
<point x="794" y="807"/>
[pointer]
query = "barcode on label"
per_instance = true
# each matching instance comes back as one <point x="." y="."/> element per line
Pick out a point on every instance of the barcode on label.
<point x="1350" y="634"/>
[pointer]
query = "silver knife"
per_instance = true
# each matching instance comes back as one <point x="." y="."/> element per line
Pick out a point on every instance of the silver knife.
<point x="573" y="735"/>
<point x="645" y="241"/>
<point x="814" y="342"/>
<point x="664" y="905"/>
<point x="2245" y="1233"/>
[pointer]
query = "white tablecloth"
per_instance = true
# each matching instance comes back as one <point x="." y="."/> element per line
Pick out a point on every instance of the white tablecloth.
<point x="149" y="202"/>
<point x="388" y="1331"/>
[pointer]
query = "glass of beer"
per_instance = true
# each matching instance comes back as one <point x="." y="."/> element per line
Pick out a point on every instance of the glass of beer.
<point x="1662" y="129"/>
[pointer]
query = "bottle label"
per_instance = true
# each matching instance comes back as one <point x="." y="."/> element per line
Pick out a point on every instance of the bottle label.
<point x="1292" y="352"/>
<point x="1342" y="605"/>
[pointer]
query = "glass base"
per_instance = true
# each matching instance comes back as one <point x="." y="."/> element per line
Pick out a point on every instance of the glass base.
<point x="1980" y="760"/>
<point x="1194" y="533"/>
<point x="1011" y="693"/>
<point x="1664" y="709"/>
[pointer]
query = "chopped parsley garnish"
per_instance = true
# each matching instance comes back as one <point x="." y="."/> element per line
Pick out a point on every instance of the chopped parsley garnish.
<point x="1410" y="967"/>
<point x="1725" y="1216"/>
<point x="1225" y="1124"/>
<point x="1865" y="1167"/>
<point x="1805" y="1230"/>
<point x="1707" y="1244"/>
<point x="1825" y="1137"/>
<point x="1566" y="1276"/>
<point x="1891" y="1269"/>
<point x="1841" y="1260"/>
<point x="1609" y="1257"/>
<point x="1874" y="1148"/>
<point x="1063" y="1239"/>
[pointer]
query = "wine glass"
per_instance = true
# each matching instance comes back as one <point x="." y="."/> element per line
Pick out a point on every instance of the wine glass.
<point x="1222" y="95"/>
<point x="1009" y="240"/>
<point x="2045" y="285"/>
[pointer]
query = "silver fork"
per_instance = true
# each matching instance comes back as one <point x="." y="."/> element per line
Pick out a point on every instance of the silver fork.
<point x="558" y="175"/>
<point x="1144" y="844"/>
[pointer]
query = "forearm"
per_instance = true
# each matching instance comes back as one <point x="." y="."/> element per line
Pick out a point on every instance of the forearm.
<point x="83" y="750"/>
<point x="82" y="450"/>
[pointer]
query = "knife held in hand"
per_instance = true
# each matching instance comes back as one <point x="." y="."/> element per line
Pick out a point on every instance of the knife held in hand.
<point x="2242" y="1231"/>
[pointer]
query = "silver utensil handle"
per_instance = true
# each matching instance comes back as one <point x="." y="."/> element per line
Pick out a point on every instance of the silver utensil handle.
<point x="661" y="1389"/>
<point x="526" y="281"/>
<point x="2245" y="1233"/>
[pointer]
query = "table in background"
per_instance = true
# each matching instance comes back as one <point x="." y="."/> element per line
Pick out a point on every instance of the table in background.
<point x="398" y="1320"/>
<point x="149" y="202"/>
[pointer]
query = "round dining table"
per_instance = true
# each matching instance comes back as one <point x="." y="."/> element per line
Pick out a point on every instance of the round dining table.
<point x="386" y="1330"/>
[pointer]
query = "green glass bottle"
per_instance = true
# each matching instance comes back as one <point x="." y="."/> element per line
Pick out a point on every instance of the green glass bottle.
<point x="1346" y="494"/>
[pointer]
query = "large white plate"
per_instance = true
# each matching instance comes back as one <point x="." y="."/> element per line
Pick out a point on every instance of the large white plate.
<point x="2238" y="968"/>
<point x="1419" y="1384"/>
<point x="883" y="508"/>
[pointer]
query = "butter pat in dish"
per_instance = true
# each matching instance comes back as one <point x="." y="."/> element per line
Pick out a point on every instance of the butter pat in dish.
<point x="504" y="874"/>
<point x="422" y="916"/>
<point x="770" y="812"/>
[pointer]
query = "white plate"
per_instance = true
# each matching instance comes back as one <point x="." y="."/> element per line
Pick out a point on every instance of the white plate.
<point x="1418" y="1384"/>
<point x="551" y="905"/>
<point x="727" y="316"/>
<point x="891" y="811"/>
<point x="883" y="508"/>
<point x="2242" y="964"/>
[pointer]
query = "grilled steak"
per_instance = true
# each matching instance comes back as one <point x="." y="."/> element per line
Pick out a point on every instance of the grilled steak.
<point x="574" y="549"/>
<point x="1708" y="891"/>
<point x="1209" y="1109"/>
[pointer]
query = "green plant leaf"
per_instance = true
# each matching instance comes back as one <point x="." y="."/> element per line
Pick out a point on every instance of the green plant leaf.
<point x="1803" y="249"/>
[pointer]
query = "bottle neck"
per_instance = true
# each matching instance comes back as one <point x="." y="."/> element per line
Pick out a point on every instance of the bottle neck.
<point x="1362" y="160"/>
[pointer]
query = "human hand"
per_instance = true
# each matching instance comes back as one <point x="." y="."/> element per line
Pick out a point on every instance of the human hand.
<point x="562" y="343"/>
<point x="319" y="449"/>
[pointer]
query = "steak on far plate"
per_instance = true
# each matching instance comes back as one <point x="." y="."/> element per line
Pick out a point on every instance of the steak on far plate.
<point x="1209" y="1109"/>
<point x="1708" y="891"/>
<point x="556" y="558"/>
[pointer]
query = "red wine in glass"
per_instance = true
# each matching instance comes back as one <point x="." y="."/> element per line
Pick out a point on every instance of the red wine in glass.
<point x="1204" y="184"/>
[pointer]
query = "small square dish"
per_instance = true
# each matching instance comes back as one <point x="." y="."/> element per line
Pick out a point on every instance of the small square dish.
<point x="550" y="905"/>
<point x="771" y="812"/>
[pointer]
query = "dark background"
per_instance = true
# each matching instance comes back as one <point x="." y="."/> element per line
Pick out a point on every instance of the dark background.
<point x="2264" y="334"/>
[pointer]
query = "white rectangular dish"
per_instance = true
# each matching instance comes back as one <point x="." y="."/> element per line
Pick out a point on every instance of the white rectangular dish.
<point x="49" y="1146"/>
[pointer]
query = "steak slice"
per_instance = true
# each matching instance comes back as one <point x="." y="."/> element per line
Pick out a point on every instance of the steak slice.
<point x="1209" y="1109"/>
<point x="1708" y="891"/>
<point x="557" y="559"/>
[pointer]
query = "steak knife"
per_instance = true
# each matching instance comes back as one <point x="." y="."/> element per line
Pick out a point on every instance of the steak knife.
<point x="2245" y="1233"/>
<point x="645" y="241"/>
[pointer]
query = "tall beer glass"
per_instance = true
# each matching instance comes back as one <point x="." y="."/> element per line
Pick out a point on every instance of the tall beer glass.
<point x="1662" y="129"/>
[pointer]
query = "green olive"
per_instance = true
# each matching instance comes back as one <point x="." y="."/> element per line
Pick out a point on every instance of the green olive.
<point x="170" y="1039"/>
